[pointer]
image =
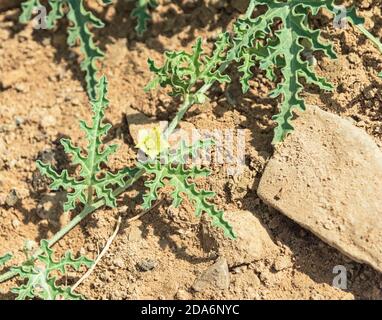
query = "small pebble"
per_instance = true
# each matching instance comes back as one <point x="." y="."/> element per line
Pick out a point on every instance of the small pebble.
<point x="12" y="198"/>
<point x="48" y="121"/>
<point x="15" y="223"/>
<point x="147" y="265"/>
<point x="118" y="262"/>
<point x="19" y="121"/>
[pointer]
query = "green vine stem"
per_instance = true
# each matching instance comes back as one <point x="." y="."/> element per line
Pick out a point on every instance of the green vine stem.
<point x="370" y="36"/>
<point x="77" y="219"/>
<point x="88" y="209"/>
<point x="188" y="102"/>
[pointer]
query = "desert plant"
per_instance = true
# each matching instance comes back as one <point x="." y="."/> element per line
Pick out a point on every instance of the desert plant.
<point x="142" y="14"/>
<point x="81" y="19"/>
<point x="190" y="76"/>
<point x="282" y="50"/>
<point x="93" y="181"/>
<point x="275" y="40"/>
<point x="96" y="184"/>
<point x="39" y="271"/>
<point x="5" y="258"/>
<point x="95" y="187"/>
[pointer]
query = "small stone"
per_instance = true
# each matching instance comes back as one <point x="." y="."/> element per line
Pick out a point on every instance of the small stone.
<point x="82" y="251"/>
<point x="12" y="198"/>
<point x="147" y="265"/>
<point x="137" y="121"/>
<point x="105" y="277"/>
<point x="48" y="121"/>
<point x="353" y="58"/>
<point x="134" y="234"/>
<point x="15" y="223"/>
<point x="118" y="262"/>
<point x="19" y="121"/>
<point x="282" y="263"/>
<point x="252" y="243"/>
<point x="123" y="209"/>
<point x="216" y="277"/>
<point x="183" y="295"/>
<point x="21" y="87"/>
<point x="44" y="223"/>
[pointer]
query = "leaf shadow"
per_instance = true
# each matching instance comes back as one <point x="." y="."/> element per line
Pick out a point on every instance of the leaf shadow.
<point x="176" y="18"/>
<point x="311" y="255"/>
<point x="121" y="26"/>
<point x="164" y="226"/>
<point x="47" y="213"/>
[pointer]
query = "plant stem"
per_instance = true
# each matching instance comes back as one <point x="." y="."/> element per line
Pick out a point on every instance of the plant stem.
<point x="370" y="36"/>
<point x="76" y="220"/>
<point x="188" y="102"/>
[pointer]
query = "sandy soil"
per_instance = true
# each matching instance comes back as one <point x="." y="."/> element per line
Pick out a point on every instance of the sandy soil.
<point x="44" y="98"/>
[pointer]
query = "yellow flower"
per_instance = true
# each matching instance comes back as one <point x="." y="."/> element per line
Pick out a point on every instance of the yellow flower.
<point x="151" y="141"/>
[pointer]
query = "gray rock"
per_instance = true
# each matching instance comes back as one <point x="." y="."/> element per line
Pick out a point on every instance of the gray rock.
<point x="147" y="265"/>
<point x="19" y="121"/>
<point x="327" y="176"/>
<point x="138" y="121"/>
<point x="215" y="277"/>
<point x="15" y="223"/>
<point x="12" y="198"/>
<point x="253" y="241"/>
<point x="118" y="262"/>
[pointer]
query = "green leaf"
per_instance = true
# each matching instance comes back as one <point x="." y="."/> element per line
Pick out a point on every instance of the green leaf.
<point x="27" y="8"/>
<point x="93" y="180"/>
<point x="41" y="283"/>
<point x="5" y="258"/>
<point x="282" y="50"/>
<point x="141" y="13"/>
<point x="81" y="19"/>
<point x="183" y="71"/>
<point x="174" y="172"/>
<point x="371" y="37"/>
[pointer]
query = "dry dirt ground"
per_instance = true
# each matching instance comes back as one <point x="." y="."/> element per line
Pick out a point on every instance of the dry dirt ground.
<point x="43" y="98"/>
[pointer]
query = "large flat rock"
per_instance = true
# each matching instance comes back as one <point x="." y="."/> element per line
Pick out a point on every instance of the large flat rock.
<point x="327" y="176"/>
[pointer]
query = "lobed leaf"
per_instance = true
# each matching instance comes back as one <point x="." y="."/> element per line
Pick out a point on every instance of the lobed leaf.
<point x="182" y="71"/>
<point x="92" y="180"/>
<point x="40" y="281"/>
<point x="282" y="49"/>
<point x="5" y="258"/>
<point x="81" y="19"/>
<point x="141" y="13"/>
<point x="182" y="179"/>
